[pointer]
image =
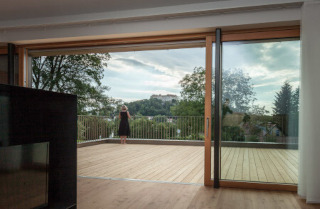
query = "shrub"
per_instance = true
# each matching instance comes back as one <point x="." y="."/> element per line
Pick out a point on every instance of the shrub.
<point x="252" y="138"/>
<point x="232" y="133"/>
<point x="270" y="139"/>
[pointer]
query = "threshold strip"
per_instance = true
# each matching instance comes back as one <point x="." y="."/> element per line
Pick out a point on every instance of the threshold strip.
<point x="139" y="180"/>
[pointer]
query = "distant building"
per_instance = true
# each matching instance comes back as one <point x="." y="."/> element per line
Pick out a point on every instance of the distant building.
<point x="165" y="98"/>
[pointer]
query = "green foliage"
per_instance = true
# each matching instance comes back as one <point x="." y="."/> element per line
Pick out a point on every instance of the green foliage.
<point x="193" y="91"/>
<point x="92" y="127"/>
<point x="75" y="74"/>
<point x="190" y="128"/>
<point x="150" y="107"/>
<point x="286" y="105"/>
<point x="254" y="126"/>
<point x="258" y="110"/>
<point x="270" y="139"/>
<point x="252" y="138"/>
<point x="246" y="118"/>
<point x="232" y="133"/>
<point x="193" y="86"/>
<point x="255" y="130"/>
<point x="188" y="108"/>
<point x="226" y="109"/>
<point x="81" y="131"/>
<point x="236" y="87"/>
<point x="155" y="128"/>
<point x="162" y="127"/>
<point x="295" y="101"/>
<point x="282" y="102"/>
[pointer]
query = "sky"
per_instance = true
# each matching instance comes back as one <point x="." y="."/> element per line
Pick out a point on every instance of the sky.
<point x="268" y="64"/>
<point x="137" y="75"/>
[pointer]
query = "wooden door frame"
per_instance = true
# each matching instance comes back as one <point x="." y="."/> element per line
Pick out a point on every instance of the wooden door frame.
<point x="228" y="36"/>
<point x="208" y="113"/>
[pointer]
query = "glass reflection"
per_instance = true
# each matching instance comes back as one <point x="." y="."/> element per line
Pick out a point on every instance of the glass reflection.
<point x="260" y="111"/>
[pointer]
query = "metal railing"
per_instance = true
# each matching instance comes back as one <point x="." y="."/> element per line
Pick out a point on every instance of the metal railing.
<point x="92" y="128"/>
<point x="275" y="129"/>
<point x="261" y="128"/>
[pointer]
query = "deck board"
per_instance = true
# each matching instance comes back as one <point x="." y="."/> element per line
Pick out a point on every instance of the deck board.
<point x="252" y="167"/>
<point x="186" y="163"/>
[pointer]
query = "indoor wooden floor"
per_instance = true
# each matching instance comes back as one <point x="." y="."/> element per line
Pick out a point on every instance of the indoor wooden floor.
<point x="171" y="163"/>
<point x="120" y="194"/>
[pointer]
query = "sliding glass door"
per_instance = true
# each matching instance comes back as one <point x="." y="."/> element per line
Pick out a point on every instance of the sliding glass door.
<point x="260" y="108"/>
<point x="252" y="109"/>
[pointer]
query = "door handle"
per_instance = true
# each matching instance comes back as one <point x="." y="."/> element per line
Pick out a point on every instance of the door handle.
<point x="207" y="126"/>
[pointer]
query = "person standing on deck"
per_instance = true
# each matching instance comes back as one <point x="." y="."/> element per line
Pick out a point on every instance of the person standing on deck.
<point x="124" y="128"/>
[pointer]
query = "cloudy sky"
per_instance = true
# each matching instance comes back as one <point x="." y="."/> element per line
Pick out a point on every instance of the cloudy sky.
<point x="137" y="75"/>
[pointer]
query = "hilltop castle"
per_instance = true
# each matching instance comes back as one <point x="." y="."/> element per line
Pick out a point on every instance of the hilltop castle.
<point x="165" y="98"/>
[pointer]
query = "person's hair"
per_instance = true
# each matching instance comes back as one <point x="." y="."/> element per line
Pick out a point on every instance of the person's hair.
<point x="124" y="107"/>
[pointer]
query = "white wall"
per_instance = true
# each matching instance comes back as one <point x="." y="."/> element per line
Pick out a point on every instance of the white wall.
<point x="155" y="21"/>
<point x="309" y="121"/>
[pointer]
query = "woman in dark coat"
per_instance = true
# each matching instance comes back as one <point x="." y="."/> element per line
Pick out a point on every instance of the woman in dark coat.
<point x="124" y="129"/>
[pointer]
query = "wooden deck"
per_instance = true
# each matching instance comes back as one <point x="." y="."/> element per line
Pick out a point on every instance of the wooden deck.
<point x="185" y="164"/>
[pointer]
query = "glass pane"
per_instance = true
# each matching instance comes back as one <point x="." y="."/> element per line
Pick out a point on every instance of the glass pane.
<point x="164" y="93"/>
<point x="260" y="105"/>
<point x="212" y="109"/>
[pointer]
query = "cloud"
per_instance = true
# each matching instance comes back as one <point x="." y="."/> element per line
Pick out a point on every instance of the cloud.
<point x="147" y="92"/>
<point x="131" y="62"/>
<point x="175" y="62"/>
<point x="274" y="56"/>
<point x="127" y="99"/>
<point x="165" y="84"/>
<point x="138" y="75"/>
<point x="263" y="74"/>
<point x="135" y="65"/>
<point x="281" y="55"/>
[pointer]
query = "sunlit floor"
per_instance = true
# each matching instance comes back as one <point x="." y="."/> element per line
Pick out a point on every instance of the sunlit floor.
<point x="185" y="164"/>
<point x="123" y="194"/>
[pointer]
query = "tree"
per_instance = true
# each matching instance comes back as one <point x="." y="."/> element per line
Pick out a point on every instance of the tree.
<point x="282" y="102"/>
<point x="193" y="86"/>
<point x="286" y="103"/>
<point x="236" y="87"/>
<point x="295" y="101"/>
<point x="188" y="108"/>
<point x="74" y="74"/>
<point x="258" y="110"/>
<point x="294" y="113"/>
<point x="150" y="107"/>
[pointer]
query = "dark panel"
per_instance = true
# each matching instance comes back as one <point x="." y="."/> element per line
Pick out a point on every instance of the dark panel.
<point x="33" y="116"/>
<point x="11" y="51"/>
<point x="24" y="176"/>
<point x="217" y="110"/>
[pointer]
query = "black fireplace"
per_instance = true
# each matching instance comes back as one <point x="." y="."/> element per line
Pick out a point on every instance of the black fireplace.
<point x="38" y="149"/>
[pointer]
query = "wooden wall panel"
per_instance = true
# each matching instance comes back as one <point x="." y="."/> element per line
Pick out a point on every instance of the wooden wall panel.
<point x="260" y="34"/>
